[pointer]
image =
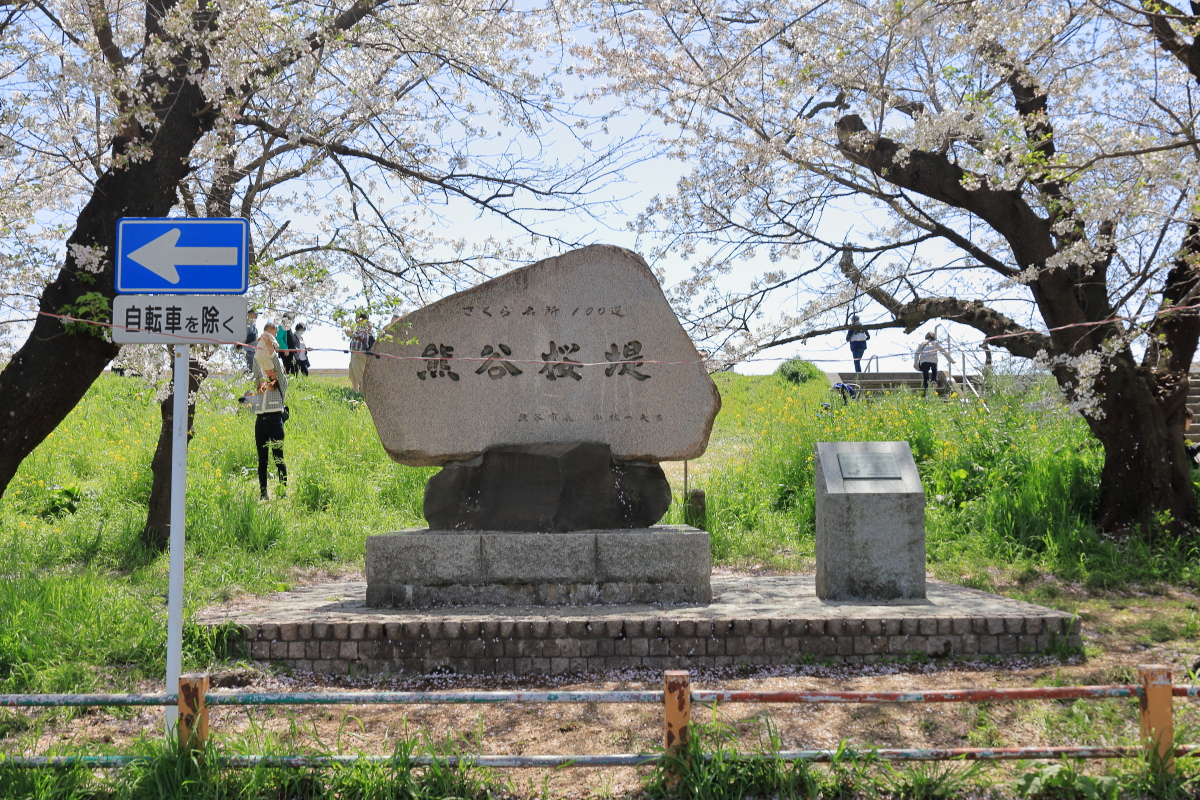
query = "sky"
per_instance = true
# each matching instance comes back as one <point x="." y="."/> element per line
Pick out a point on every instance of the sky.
<point x="888" y="350"/>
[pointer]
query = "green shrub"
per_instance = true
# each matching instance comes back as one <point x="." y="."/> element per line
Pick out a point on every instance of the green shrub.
<point x="797" y="370"/>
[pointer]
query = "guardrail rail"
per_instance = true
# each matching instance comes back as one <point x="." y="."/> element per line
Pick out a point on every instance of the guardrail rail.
<point x="1155" y="692"/>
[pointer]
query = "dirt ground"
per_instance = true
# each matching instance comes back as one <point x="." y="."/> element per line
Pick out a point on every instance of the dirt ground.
<point x="1121" y="631"/>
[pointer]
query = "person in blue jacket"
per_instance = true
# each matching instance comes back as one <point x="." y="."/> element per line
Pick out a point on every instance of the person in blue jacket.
<point x="857" y="337"/>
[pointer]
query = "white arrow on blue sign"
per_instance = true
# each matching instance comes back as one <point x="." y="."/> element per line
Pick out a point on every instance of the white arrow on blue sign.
<point x="182" y="256"/>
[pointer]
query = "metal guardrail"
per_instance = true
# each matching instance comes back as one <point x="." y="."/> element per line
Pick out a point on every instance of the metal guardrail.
<point x="1155" y="692"/>
<point x="951" y="346"/>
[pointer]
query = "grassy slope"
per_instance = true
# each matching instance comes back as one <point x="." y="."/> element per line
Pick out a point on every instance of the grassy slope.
<point x="1010" y="484"/>
<point x="1009" y="490"/>
<point x="71" y="574"/>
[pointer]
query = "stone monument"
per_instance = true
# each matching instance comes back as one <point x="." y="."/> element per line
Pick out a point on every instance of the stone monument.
<point x="548" y="396"/>
<point x="870" y="522"/>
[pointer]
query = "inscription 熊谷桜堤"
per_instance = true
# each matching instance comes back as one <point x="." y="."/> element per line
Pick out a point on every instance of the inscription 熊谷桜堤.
<point x="583" y="347"/>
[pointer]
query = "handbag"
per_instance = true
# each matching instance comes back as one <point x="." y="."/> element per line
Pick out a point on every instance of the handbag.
<point x="268" y="402"/>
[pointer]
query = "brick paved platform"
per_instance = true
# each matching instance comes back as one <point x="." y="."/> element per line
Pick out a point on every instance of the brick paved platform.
<point x="752" y="620"/>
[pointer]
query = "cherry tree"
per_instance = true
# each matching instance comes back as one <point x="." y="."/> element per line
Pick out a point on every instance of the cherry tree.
<point x="1023" y="167"/>
<point x="338" y="130"/>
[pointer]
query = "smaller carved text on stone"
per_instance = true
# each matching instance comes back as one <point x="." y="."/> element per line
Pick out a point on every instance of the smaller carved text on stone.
<point x="869" y="466"/>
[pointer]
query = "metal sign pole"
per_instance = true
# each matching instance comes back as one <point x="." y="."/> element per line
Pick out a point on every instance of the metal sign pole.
<point x="178" y="497"/>
<point x="175" y="278"/>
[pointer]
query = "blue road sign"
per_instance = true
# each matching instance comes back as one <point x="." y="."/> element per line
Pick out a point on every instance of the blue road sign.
<point x="178" y="319"/>
<point x="182" y="256"/>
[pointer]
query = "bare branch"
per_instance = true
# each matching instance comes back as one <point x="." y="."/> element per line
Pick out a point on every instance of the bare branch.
<point x="102" y="27"/>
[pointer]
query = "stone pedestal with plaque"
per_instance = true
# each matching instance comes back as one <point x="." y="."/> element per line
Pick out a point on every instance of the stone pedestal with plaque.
<point x="870" y="522"/>
<point x="549" y="396"/>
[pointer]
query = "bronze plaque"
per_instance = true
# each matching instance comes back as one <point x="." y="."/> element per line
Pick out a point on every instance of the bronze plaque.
<point x="869" y="466"/>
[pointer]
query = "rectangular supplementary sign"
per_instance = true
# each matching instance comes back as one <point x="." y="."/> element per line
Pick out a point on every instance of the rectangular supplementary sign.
<point x="182" y="256"/>
<point x="869" y="466"/>
<point x="178" y="319"/>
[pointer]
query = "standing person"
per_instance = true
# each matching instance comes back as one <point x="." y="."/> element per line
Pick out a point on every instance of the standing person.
<point x="286" y="342"/>
<point x="926" y="359"/>
<point x="301" y="354"/>
<point x="271" y="384"/>
<point x="361" y="338"/>
<point x="251" y="338"/>
<point x="857" y="337"/>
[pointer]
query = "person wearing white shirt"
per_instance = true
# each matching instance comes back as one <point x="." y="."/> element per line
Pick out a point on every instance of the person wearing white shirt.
<point x="271" y="382"/>
<point x="926" y="358"/>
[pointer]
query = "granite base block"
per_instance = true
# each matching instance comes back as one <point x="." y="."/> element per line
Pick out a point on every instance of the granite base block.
<point x="666" y="564"/>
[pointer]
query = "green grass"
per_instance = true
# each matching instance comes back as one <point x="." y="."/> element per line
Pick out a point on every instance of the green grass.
<point x="170" y="772"/>
<point x="712" y="767"/>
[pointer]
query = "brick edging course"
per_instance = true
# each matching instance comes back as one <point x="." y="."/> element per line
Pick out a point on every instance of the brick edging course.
<point x="560" y="645"/>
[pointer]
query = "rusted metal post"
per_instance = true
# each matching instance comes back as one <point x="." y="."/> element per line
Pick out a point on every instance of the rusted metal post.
<point x="695" y="512"/>
<point x="1157" y="717"/>
<point x="193" y="710"/>
<point x="677" y="714"/>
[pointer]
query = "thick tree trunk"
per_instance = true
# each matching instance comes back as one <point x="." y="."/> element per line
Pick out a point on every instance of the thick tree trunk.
<point x="1146" y="482"/>
<point x="157" y="532"/>
<point x="54" y="368"/>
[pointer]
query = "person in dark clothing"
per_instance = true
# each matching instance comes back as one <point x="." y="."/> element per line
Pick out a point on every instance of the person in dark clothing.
<point x="271" y="383"/>
<point x="926" y="361"/>
<point x="251" y="338"/>
<point x="857" y="337"/>
<point x="301" y="355"/>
